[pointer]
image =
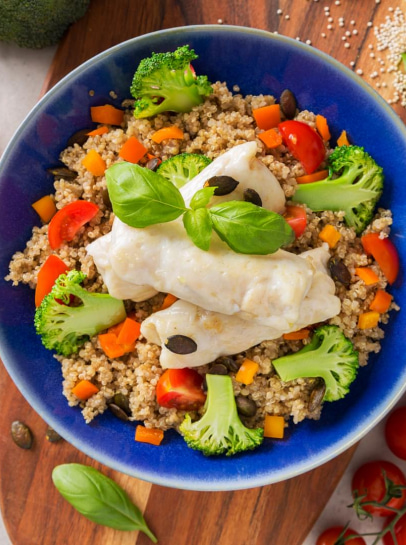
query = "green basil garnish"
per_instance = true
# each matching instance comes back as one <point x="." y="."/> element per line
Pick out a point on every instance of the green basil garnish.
<point x="99" y="498"/>
<point x="202" y="197"/>
<point x="198" y="227"/>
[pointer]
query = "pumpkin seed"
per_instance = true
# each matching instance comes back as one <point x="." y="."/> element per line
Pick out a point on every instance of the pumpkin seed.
<point x="21" y="434"/>
<point x="118" y="412"/>
<point x="180" y="344"/>
<point x="250" y="195"/>
<point x="52" y="436"/>
<point x="317" y="395"/>
<point x="153" y="164"/>
<point x="230" y="363"/>
<point x="123" y="402"/>
<point x="218" y="369"/>
<point x="245" y="405"/>
<point x="79" y="137"/>
<point x="339" y="271"/>
<point x="223" y="184"/>
<point x="63" y="172"/>
<point x="288" y="104"/>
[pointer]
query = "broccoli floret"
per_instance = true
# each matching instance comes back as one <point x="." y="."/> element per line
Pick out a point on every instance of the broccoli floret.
<point x="38" y="23"/>
<point x="181" y="168"/>
<point x="220" y="429"/>
<point x="69" y="315"/>
<point x="354" y="185"/>
<point x="166" y="82"/>
<point x="329" y="355"/>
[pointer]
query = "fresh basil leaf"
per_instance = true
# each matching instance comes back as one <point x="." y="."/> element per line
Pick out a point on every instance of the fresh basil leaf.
<point x="141" y="197"/>
<point x="202" y="197"/>
<point x="198" y="227"/>
<point x="250" y="229"/>
<point x="98" y="498"/>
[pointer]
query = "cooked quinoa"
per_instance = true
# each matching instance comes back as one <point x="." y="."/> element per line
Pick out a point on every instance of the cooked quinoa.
<point x="223" y="121"/>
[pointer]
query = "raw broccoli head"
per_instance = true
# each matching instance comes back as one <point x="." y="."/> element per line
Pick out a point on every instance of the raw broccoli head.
<point x="354" y="185"/>
<point x="181" y="168"/>
<point x="166" y="82"/>
<point x="220" y="429"/>
<point x="330" y="356"/>
<point x="69" y="315"/>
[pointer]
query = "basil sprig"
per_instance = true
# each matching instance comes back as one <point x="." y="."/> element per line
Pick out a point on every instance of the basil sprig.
<point x="141" y="197"/>
<point x="99" y="498"/>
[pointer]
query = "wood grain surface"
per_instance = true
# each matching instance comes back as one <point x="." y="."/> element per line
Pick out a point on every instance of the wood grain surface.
<point x="279" y="514"/>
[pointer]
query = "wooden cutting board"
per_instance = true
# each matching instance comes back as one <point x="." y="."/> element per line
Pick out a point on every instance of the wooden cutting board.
<point x="279" y="514"/>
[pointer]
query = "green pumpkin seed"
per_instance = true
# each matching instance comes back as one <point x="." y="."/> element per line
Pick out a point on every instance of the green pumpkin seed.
<point x="288" y="104"/>
<point x="339" y="271"/>
<point x="118" y="412"/>
<point x="63" y="172"/>
<point x="250" y="195"/>
<point x="79" y="137"/>
<point x="180" y="344"/>
<point x="317" y="395"/>
<point x="224" y="185"/>
<point x="123" y="402"/>
<point x="21" y="435"/>
<point x="245" y="406"/>
<point x="52" y="436"/>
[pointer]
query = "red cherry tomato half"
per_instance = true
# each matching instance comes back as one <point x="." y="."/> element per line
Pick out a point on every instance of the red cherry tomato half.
<point x="180" y="389"/>
<point x="49" y="272"/>
<point x="395" y="432"/>
<point x="400" y="532"/>
<point x="385" y="254"/>
<point x="304" y="143"/>
<point x="68" y="220"/>
<point x="297" y="219"/>
<point x="330" y="536"/>
<point x="368" y="480"/>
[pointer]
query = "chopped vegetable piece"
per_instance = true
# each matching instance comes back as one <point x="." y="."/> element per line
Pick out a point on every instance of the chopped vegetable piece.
<point x="99" y="131"/>
<point x="342" y="140"/>
<point x="271" y="138"/>
<point x="153" y="436"/>
<point x="45" y="208"/>
<point x="385" y="254"/>
<point x="367" y="275"/>
<point x="49" y="272"/>
<point x="297" y="219"/>
<point x="247" y="371"/>
<point x="132" y="151"/>
<point x="182" y="168"/>
<point x="304" y="143"/>
<point x="107" y="114"/>
<point x="168" y="301"/>
<point x="180" y="389"/>
<point x="315" y="177"/>
<point x="94" y="163"/>
<point x="368" y="320"/>
<point x="381" y="302"/>
<point x="322" y="127"/>
<point x="129" y="332"/>
<point x="68" y="220"/>
<point x="267" y="117"/>
<point x="110" y="346"/>
<point x="84" y="389"/>
<point x="274" y="426"/>
<point x="330" y="235"/>
<point x="297" y="335"/>
<point x="167" y="132"/>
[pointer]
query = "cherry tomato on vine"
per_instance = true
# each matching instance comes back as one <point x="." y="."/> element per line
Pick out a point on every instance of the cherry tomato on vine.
<point x="330" y="536"/>
<point x="304" y="143"/>
<point x="368" y="480"/>
<point x="180" y="389"/>
<point x="400" y="532"/>
<point x="68" y="220"/>
<point x="297" y="219"/>
<point x="395" y="432"/>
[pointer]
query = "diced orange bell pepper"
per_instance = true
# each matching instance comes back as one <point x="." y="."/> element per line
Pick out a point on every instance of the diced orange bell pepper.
<point x="247" y="372"/>
<point x="45" y="208"/>
<point x="297" y="335"/>
<point x="381" y="302"/>
<point x="274" y="426"/>
<point x="367" y="275"/>
<point x="152" y="436"/>
<point x="368" y="320"/>
<point x="84" y="389"/>
<point x="267" y="117"/>
<point x="330" y="235"/>
<point x="94" y="163"/>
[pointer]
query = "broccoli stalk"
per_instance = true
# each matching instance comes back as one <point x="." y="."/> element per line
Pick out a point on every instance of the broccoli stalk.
<point x="220" y="429"/>
<point x="329" y="355"/>
<point x="166" y="82"/>
<point x="354" y="185"/>
<point x="65" y="325"/>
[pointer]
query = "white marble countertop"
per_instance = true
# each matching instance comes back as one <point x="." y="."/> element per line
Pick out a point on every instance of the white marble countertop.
<point x="22" y="73"/>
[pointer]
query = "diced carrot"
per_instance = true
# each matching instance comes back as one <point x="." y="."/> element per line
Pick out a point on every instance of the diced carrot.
<point x="110" y="346"/>
<point x="152" y="436"/>
<point x="381" y="302"/>
<point x="100" y="130"/>
<point x="274" y="426"/>
<point x="342" y="140"/>
<point x="84" y="389"/>
<point x="297" y="335"/>
<point x="330" y="235"/>
<point x="247" y="371"/>
<point x="367" y="275"/>
<point x="107" y="114"/>
<point x="168" y="301"/>
<point x="322" y="127"/>
<point x="315" y="177"/>
<point x="129" y="332"/>
<point x="368" y="320"/>
<point x="267" y="117"/>
<point x="132" y="151"/>
<point x="167" y="132"/>
<point x="45" y="208"/>
<point x="94" y="163"/>
<point x="271" y="138"/>
<point x="48" y="273"/>
<point x="115" y="329"/>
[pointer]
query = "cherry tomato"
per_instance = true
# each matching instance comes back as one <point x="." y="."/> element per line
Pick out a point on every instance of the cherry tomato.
<point x="330" y="536"/>
<point x="395" y="432"/>
<point x="180" y="389"/>
<point x="49" y="272"/>
<point x="297" y="219"/>
<point x="400" y="532"/>
<point x="68" y="220"/>
<point x="368" y="480"/>
<point x="304" y="143"/>
<point x="385" y="254"/>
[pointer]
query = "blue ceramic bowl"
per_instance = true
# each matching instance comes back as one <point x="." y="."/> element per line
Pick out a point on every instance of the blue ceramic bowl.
<point x="258" y="62"/>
